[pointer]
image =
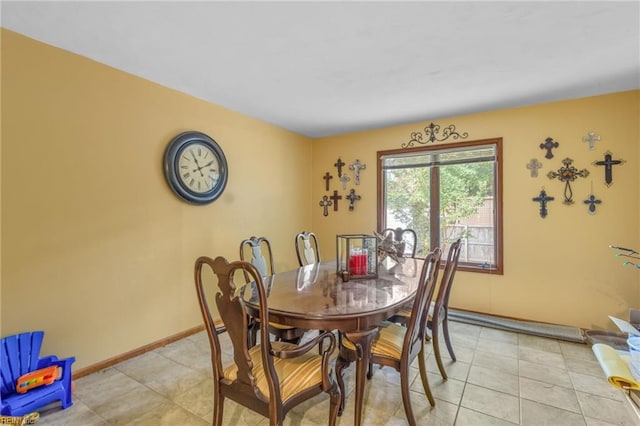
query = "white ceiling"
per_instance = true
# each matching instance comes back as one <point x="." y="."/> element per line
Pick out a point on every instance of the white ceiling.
<point x="324" y="68"/>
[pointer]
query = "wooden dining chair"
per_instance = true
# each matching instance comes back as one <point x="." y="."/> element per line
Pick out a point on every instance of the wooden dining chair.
<point x="307" y="248"/>
<point x="397" y="346"/>
<point x="255" y="249"/>
<point x="271" y="377"/>
<point x="407" y="236"/>
<point x="439" y="308"/>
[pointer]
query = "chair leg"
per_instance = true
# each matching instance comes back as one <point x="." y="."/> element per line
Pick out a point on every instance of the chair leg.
<point x="436" y="349"/>
<point x="406" y="398"/>
<point x="218" y="407"/>
<point x="335" y="403"/>
<point x="422" y="365"/>
<point x="370" y="371"/>
<point x="445" y="332"/>
<point x="341" y="364"/>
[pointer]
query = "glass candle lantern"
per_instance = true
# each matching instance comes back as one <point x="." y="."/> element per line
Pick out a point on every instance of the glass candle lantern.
<point x="357" y="256"/>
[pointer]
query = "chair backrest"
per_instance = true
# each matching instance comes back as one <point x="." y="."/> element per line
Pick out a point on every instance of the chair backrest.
<point x="450" y="268"/>
<point x="407" y="236"/>
<point x="307" y="248"/>
<point x="254" y="250"/>
<point x="19" y="355"/>
<point x="414" y="336"/>
<point x="230" y="303"/>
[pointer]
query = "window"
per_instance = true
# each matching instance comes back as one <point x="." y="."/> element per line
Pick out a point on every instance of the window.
<point x="446" y="192"/>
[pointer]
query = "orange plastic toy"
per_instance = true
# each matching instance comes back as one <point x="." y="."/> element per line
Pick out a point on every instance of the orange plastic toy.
<point x="44" y="376"/>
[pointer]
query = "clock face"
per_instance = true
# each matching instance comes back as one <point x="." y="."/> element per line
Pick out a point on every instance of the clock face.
<point x="199" y="168"/>
<point x="195" y="167"/>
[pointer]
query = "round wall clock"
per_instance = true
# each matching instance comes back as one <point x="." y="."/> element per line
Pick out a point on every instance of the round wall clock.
<point x="195" y="167"/>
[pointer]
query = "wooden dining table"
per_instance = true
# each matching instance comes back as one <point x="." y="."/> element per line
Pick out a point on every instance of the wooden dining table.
<point x="315" y="297"/>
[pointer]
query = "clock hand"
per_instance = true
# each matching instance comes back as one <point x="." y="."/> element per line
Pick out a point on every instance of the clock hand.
<point x="199" y="168"/>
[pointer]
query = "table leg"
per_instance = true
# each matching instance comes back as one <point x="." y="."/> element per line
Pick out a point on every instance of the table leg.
<point x="363" y="341"/>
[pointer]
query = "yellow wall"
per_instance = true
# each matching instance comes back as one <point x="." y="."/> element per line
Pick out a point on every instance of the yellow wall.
<point x="96" y="249"/>
<point x="558" y="269"/>
<point x="98" y="252"/>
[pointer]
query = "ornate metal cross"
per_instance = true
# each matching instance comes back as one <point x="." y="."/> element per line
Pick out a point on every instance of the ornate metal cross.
<point x="568" y="174"/>
<point x="592" y="201"/>
<point x="327" y="177"/>
<point x="325" y="203"/>
<point x="344" y="179"/>
<point x="534" y="165"/>
<point x="335" y="197"/>
<point x="356" y="167"/>
<point x="549" y="144"/>
<point x="339" y="165"/>
<point x="543" y="198"/>
<point x="591" y="139"/>
<point x="608" y="164"/>
<point x="352" y="197"/>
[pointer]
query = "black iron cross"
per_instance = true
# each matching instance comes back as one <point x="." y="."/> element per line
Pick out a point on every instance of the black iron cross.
<point x="339" y="165"/>
<point x="352" y="197"/>
<point x="548" y="145"/>
<point x="335" y="197"/>
<point x="327" y="177"/>
<point x="608" y="164"/>
<point x="543" y="198"/>
<point x="568" y="174"/>
<point x="325" y="203"/>
<point x="592" y="201"/>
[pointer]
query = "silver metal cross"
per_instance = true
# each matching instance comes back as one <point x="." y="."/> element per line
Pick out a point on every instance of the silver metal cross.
<point x="534" y="165"/>
<point x="344" y="179"/>
<point x="591" y="138"/>
<point x="325" y="203"/>
<point x="356" y="167"/>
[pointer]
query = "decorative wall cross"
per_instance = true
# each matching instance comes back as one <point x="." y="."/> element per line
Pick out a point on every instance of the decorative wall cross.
<point x="534" y="165"/>
<point x="356" y="167"/>
<point x="327" y="177"/>
<point x="543" y="199"/>
<point x="568" y="174"/>
<point x="339" y="165"/>
<point x="325" y="203"/>
<point x="549" y="144"/>
<point x="335" y="197"/>
<point x="608" y="164"/>
<point x="352" y="197"/>
<point x="344" y="179"/>
<point x="592" y="201"/>
<point x="591" y="139"/>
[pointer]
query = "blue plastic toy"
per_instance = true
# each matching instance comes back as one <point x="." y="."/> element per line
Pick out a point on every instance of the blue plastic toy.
<point x="20" y="355"/>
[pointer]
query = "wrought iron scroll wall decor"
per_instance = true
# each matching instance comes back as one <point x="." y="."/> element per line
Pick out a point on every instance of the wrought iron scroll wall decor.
<point x="430" y="135"/>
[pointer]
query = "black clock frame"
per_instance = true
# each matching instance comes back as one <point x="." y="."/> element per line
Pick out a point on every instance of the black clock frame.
<point x="171" y="171"/>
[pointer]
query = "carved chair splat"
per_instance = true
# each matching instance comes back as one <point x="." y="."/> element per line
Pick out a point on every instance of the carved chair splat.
<point x="256" y="248"/>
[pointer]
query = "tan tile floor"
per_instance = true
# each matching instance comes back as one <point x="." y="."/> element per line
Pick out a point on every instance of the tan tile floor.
<point x="500" y="378"/>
